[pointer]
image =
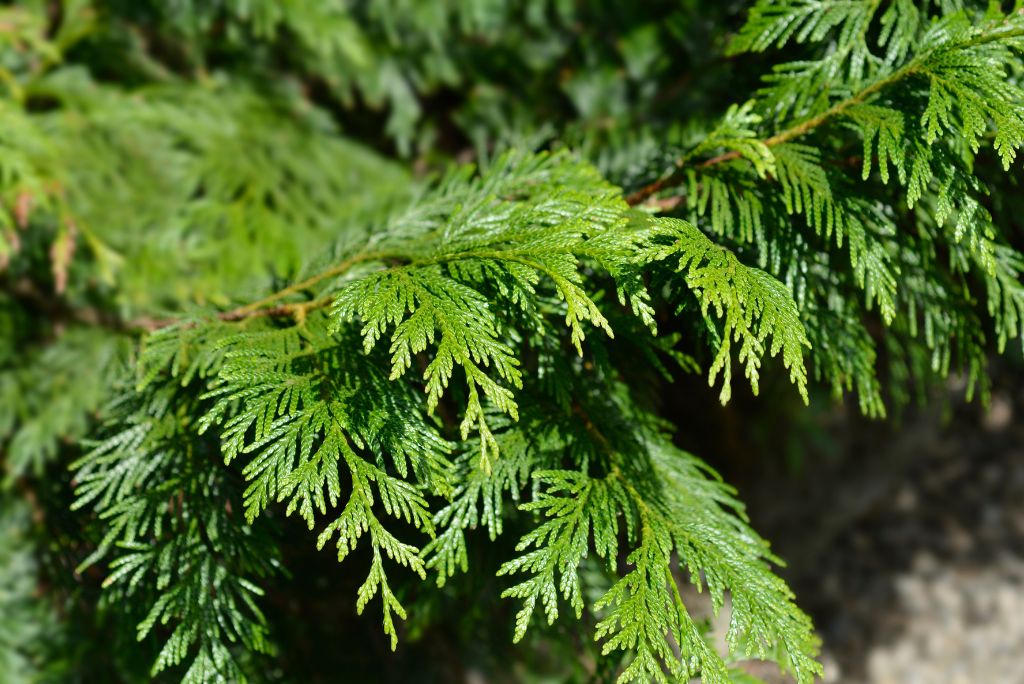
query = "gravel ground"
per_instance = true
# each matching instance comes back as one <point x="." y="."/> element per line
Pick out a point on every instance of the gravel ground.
<point x="909" y="549"/>
<point x="928" y="586"/>
<point x="960" y="625"/>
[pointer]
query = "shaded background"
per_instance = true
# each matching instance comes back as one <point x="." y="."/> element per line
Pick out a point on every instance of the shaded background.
<point x="905" y="539"/>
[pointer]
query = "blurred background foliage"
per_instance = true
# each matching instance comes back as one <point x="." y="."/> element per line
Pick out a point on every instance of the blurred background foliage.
<point x="141" y="140"/>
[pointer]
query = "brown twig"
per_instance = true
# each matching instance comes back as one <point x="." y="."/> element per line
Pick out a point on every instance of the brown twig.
<point x="791" y="133"/>
<point x="677" y="175"/>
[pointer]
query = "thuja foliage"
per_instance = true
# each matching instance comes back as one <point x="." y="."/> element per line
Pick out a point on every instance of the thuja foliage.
<point x="236" y="296"/>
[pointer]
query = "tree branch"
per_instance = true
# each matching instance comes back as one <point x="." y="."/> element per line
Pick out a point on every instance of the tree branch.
<point x="791" y="133"/>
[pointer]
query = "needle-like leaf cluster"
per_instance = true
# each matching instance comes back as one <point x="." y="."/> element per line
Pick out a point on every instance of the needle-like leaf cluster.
<point x="233" y="313"/>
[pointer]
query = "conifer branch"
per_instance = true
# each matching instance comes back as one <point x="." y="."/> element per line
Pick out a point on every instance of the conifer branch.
<point x="487" y="340"/>
<point x="801" y="129"/>
<point x="678" y="175"/>
<point x="266" y="307"/>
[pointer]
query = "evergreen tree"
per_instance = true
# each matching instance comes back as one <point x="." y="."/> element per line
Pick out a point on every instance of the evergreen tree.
<point x="414" y="275"/>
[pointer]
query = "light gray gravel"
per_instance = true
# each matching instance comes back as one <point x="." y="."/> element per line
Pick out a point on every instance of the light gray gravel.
<point x="961" y="626"/>
<point x="909" y="549"/>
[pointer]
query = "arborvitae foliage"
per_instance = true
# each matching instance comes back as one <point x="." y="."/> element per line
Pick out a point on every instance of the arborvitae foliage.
<point x="221" y="309"/>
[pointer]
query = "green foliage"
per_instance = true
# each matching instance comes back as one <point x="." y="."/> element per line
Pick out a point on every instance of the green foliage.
<point x="47" y="397"/>
<point x="401" y="356"/>
<point x="753" y="305"/>
<point x="176" y="542"/>
<point x="461" y="278"/>
<point x="564" y="213"/>
<point x="21" y="655"/>
<point x="924" y="93"/>
<point x="665" y="506"/>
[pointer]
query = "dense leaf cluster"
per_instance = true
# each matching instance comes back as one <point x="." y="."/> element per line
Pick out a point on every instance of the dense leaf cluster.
<point x="223" y="311"/>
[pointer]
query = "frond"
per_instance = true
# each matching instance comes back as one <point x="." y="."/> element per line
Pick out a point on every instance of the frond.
<point x="753" y="306"/>
<point x="664" y="505"/>
<point x="174" y="541"/>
